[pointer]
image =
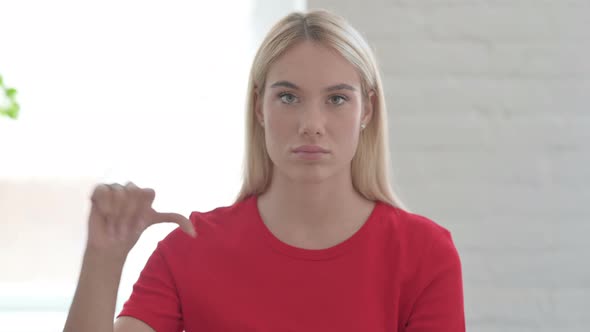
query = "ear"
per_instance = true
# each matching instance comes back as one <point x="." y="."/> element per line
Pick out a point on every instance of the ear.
<point x="258" y="105"/>
<point x="369" y="107"/>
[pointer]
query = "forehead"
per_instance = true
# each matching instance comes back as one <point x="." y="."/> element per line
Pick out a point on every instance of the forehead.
<point x="313" y="66"/>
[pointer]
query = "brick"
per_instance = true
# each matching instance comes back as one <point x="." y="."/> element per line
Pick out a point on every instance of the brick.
<point x="507" y="21"/>
<point x="489" y="96"/>
<point x="506" y="235"/>
<point x="527" y="309"/>
<point x="521" y="269"/>
<point x="485" y="59"/>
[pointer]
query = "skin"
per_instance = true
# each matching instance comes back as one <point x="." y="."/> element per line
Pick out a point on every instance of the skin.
<point x="312" y="96"/>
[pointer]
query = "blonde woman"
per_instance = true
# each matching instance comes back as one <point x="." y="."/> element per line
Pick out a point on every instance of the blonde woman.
<point x="316" y="240"/>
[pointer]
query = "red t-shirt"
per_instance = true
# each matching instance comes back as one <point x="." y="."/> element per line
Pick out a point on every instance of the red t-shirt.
<point x="398" y="272"/>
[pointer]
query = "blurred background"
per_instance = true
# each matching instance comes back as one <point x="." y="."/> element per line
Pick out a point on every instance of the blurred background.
<point x="489" y="124"/>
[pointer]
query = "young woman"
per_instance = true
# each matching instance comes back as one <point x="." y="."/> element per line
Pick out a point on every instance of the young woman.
<point x="316" y="240"/>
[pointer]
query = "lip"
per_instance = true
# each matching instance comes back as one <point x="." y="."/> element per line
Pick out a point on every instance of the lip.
<point x="310" y="149"/>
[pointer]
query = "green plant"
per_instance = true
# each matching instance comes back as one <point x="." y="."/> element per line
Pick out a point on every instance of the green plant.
<point x="11" y="107"/>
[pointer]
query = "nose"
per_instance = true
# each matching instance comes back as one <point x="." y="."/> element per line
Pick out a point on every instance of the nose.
<point x="312" y="122"/>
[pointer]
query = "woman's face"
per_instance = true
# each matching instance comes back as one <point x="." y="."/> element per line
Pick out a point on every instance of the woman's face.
<point x="312" y="97"/>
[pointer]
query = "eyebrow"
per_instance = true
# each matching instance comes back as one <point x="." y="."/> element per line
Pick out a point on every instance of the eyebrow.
<point x="287" y="84"/>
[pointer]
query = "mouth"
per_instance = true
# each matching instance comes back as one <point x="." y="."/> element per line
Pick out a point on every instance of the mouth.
<point x="310" y="155"/>
<point x="310" y="152"/>
<point x="310" y="149"/>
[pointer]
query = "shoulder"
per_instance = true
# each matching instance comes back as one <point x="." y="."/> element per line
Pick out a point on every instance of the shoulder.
<point x="420" y="239"/>
<point x="413" y="226"/>
<point x="422" y="246"/>
<point x="223" y="216"/>
<point x="430" y="271"/>
<point x="208" y="224"/>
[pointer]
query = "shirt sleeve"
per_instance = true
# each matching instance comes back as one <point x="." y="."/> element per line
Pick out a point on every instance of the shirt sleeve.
<point x="154" y="299"/>
<point x="439" y="305"/>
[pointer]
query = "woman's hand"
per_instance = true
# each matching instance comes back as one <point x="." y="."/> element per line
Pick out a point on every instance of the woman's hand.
<point x="119" y="215"/>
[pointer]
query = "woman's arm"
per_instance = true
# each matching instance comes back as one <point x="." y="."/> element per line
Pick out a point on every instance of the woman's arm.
<point x="118" y="216"/>
<point x="439" y="305"/>
<point x="93" y="306"/>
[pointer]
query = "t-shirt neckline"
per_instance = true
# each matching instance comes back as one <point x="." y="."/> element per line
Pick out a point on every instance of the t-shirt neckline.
<point x="311" y="254"/>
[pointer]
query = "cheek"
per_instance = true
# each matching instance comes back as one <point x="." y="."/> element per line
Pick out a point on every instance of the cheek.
<point x="277" y="129"/>
<point x="348" y="120"/>
<point x="349" y="138"/>
<point x="348" y="133"/>
<point x="276" y="133"/>
<point x="278" y="119"/>
<point x="277" y="125"/>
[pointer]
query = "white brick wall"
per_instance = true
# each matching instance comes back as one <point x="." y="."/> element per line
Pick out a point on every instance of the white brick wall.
<point x="489" y="105"/>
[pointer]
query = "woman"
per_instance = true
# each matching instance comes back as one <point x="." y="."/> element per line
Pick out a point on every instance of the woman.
<point x="316" y="240"/>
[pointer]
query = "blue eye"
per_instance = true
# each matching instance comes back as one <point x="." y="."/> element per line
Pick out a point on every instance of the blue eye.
<point x="337" y="100"/>
<point x="287" y="98"/>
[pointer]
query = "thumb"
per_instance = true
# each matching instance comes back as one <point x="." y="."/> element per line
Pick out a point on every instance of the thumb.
<point x="185" y="224"/>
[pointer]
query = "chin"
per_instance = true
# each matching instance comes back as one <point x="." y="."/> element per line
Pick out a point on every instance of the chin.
<point x="308" y="175"/>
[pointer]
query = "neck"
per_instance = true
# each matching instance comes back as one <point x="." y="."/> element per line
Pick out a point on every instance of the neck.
<point x="311" y="205"/>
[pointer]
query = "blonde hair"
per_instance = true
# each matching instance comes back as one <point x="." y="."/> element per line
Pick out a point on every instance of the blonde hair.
<point x="370" y="165"/>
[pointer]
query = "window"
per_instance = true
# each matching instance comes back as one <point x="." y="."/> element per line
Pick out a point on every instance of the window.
<point x="111" y="91"/>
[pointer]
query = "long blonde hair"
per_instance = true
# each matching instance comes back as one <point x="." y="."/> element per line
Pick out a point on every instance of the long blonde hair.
<point x="370" y="165"/>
